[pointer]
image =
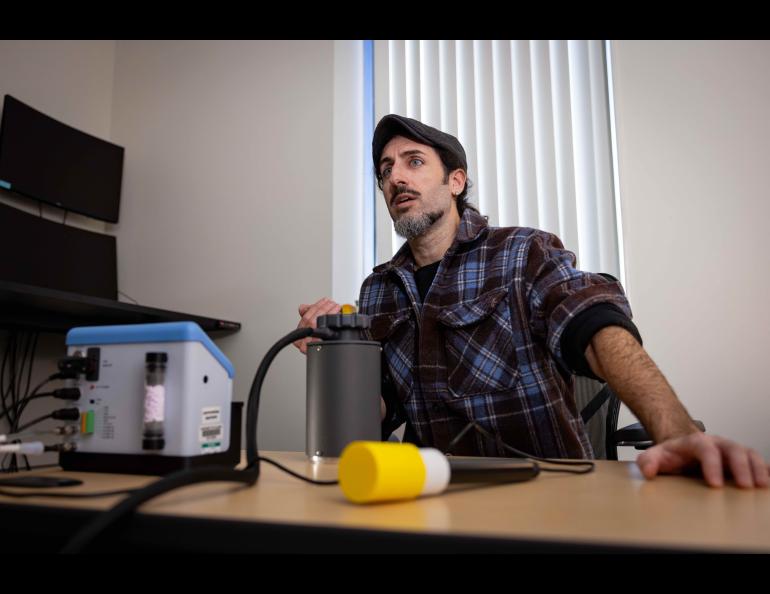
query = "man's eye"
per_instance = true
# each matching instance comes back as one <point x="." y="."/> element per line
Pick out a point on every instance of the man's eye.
<point x="415" y="160"/>
<point x="386" y="172"/>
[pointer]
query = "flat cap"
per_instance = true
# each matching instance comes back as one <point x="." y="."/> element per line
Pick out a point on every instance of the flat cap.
<point x="396" y="125"/>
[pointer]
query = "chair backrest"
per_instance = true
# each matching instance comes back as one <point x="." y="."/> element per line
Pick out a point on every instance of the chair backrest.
<point x="603" y="421"/>
<point x="585" y="390"/>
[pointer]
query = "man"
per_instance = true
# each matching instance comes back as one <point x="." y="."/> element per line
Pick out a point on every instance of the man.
<point x="489" y="324"/>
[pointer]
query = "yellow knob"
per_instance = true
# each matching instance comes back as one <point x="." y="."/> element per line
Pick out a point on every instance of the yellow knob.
<point x="348" y="309"/>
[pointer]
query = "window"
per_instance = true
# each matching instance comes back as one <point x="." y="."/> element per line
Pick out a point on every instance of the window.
<point x="534" y="118"/>
<point x="353" y="196"/>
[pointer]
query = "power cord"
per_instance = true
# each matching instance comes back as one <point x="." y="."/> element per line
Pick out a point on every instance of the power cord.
<point x="66" y="495"/>
<point x="62" y="393"/>
<point x="16" y="371"/>
<point x="63" y="414"/>
<point x="496" y="438"/>
<point x="122" y="510"/>
<point x="69" y="370"/>
<point x="66" y="430"/>
<point x="297" y="475"/>
<point x="252" y="408"/>
<point x="128" y="297"/>
<point x="12" y="380"/>
<point x="38" y="467"/>
<point x="8" y="412"/>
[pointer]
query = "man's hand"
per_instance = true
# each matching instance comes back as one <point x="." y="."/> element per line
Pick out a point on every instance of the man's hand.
<point x="309" y="315"/>
<point x="714" y="454"/>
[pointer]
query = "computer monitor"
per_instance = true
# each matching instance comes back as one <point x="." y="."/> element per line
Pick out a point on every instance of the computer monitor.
<point x="50" y="161"/>
<point x="47" y="254"/>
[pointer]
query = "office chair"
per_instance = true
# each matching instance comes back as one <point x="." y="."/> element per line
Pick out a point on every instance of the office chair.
<point x="599" y="409"/>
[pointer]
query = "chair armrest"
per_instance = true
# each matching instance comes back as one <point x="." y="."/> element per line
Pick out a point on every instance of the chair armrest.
<point x="636" y="435"/>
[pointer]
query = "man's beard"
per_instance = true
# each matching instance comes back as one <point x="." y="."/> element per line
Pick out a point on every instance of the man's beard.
<point x="413" y="226"/>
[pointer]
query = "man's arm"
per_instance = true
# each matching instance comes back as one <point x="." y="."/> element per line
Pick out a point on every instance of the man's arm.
<point x="615" y="356"/>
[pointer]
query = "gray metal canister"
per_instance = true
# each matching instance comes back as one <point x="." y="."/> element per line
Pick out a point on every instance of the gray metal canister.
<point x="343" y="388"/>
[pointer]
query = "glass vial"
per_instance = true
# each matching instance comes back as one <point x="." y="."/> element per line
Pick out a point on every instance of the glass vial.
<point x="154" y="401"/>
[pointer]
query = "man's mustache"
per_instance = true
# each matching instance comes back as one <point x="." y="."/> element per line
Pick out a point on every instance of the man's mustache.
<point x="399" y="190"/>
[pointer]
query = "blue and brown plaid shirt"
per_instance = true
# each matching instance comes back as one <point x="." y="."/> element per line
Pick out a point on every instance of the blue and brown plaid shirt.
<point x="485" y="345"/>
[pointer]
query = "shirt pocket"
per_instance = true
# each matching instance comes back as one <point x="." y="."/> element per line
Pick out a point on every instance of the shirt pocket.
<point x="479" y="346"/>
<point x="383" y="326"/>
<point x="396" y="332"/>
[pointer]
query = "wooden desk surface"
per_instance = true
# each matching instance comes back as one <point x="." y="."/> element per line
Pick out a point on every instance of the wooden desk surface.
<point x="613" y="506"/>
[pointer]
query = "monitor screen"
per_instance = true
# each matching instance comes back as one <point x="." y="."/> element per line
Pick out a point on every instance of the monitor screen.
<point x="47" y="160"/>
<point x="47" y="254"/>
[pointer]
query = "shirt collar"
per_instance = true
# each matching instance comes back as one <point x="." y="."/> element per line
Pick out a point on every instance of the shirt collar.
<point x="472" y="225"/>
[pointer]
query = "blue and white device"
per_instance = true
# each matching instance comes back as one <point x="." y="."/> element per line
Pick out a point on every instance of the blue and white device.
<point x="169" y="378"/>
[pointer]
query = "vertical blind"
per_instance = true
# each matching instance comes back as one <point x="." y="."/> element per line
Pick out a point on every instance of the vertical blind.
<point x="534" y="119"/>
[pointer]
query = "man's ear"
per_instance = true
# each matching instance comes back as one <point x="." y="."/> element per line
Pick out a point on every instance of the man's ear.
<point x="457" y="181"/>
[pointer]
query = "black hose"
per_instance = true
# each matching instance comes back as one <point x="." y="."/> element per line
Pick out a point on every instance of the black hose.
<point x="182" y="478"/>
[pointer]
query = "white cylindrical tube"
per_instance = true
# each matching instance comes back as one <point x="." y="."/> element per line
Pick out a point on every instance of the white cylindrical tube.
<point x="154" y="401"/>
<point x="437" y="471"/>
<point x="32" y="448"/>
<point x="372" y="471"/>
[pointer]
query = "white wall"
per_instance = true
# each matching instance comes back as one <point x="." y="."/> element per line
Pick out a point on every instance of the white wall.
<point x="694" y="167"/>
<point x="227" y="196"/>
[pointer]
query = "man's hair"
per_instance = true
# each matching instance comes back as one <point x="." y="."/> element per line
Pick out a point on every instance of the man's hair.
<point x="450" y="162"/>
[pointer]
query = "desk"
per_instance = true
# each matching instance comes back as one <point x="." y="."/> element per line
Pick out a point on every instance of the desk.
<point x="612" y="508"/>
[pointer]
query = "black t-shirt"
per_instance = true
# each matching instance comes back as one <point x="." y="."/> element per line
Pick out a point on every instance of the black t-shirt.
<point x="424" y="278"/>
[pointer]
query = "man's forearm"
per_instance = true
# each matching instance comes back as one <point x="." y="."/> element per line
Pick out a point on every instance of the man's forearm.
<point x="616" y="356"/>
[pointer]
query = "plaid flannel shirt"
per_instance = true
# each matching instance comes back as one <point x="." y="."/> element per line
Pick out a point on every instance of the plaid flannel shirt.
<point x="485" y="344"/>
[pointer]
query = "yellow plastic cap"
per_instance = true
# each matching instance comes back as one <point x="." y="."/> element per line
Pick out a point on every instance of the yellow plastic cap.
<point x="381" y="471"/>
<point x="348" y="309"/>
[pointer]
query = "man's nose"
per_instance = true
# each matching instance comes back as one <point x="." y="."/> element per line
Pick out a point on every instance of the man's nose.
<point x="399" y="175"/>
